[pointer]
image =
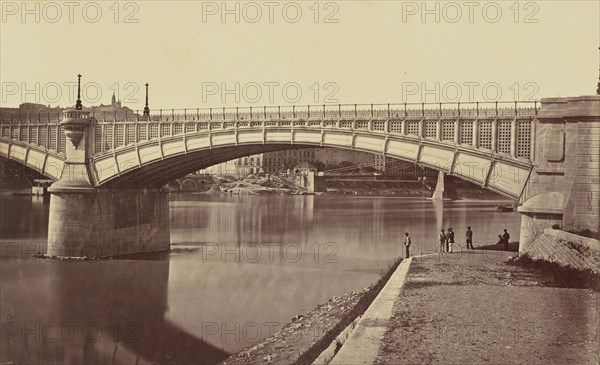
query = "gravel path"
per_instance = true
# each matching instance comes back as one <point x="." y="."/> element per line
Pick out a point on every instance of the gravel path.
<point x="471" y="308"/>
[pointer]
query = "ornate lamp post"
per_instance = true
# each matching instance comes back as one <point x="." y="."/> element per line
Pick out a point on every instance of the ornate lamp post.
<point x="75" y="121"/>
<point x="146" y="108"/>
<point x="78" y="104"/>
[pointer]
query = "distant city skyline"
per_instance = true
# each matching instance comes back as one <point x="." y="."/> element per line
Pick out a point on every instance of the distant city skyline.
<point x="115" y="104"/>
<point x="198" y="54"/>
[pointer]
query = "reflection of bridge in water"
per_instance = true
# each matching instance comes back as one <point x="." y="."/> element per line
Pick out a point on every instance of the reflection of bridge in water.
<point x="121" y="321"/>
<point x="113" y="166"/>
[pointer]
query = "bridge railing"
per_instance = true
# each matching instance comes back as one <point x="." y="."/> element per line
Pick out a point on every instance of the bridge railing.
<point x="459" y="123"/>
<point x="472" y="124"/>
<point x="323" y="111"/>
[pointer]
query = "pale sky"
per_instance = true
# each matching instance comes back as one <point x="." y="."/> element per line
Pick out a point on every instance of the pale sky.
<point x="333" y="51"/>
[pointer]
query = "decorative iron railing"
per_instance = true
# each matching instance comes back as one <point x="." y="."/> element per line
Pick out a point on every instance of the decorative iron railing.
<point x="458" y="123"/>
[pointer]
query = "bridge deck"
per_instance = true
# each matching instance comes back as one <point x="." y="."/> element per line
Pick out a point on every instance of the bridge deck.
<point x="491" y="143"/>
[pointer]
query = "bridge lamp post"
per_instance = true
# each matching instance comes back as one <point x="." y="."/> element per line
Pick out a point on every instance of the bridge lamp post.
<point x="146" y="108"/>
<point x="76" y="123"/>
<point x="78" y="104"/>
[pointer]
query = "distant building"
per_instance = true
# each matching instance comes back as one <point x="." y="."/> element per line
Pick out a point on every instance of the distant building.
<point x="98" y="111"/>
<point x="274" y="161"/>
<point x="110" y="109"/>
<point x="283" y="160"/>
<point x="280" y="161"/>
<point x="335" y="156"/>
<point x="114" y="103"/>
<point x="380" y="162"/>
<point x="248" y="165"/>
<point x="34" y="107"/>
<point x="226" y="168"/>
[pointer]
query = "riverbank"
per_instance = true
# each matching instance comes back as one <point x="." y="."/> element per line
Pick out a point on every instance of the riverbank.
<point x="279" y="185"/>
<point x="471" y="307"/>
<point x="303" y="339"/>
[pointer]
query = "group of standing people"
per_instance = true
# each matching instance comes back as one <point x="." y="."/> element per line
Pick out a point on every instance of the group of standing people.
<point x="446" y="240"/>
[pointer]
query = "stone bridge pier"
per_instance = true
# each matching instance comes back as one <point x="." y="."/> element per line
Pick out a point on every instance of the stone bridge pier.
<point x="564" y="187"/>
<point x="98" y="222"/>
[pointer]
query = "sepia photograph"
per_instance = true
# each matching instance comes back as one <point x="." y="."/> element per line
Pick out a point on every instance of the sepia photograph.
<point x="346" y="182"/>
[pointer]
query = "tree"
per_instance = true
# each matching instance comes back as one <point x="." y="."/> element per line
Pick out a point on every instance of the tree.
<point x="319" y="165"/>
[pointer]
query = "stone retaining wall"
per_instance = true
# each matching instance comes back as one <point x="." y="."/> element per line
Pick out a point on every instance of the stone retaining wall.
<point x="565" y="248"/>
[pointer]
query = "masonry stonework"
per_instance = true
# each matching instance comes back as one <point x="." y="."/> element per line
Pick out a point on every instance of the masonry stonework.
<point x="563" y="188"/>
<point x="582" y="208"/>
<point x="94" y="222"/>
<point x="566" y="249"/>
<point x="108" y="223"/>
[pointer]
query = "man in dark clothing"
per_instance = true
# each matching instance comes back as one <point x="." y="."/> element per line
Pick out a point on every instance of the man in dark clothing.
<point x="469" y="238"/>
<point x="450" y="240"/>
<point x="407" y="244"/>
<point x="505" y="238"/>
<point x="442" y="241"/>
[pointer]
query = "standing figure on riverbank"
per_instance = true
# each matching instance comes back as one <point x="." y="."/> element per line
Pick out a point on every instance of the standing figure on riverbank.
<point x="407" y="243"/>
<point x="469" y="238"/>
<point x="505" y="238"/>
<point x="450" y="239"/>
<point x="442" y="241"/>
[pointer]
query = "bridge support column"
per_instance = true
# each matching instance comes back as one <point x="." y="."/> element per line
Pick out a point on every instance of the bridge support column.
<point x="87" y="221"/>
<point x="310" y="181"/>
<point x="541" y="212"/>
<point x="438" y="194"/>
<point x="563" y="189"/>
<point x="107" y="223"/>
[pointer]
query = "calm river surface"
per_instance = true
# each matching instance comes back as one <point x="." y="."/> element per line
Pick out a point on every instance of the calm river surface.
<point x="240" y="268"/>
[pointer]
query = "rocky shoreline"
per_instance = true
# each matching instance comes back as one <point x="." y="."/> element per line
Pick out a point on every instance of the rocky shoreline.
<point x="302" y="340"/>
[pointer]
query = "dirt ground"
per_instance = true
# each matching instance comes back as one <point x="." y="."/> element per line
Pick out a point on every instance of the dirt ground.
<point x="475" y="309"/>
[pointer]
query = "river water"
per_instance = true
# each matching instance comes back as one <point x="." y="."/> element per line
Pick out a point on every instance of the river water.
<point x="239" y="269"/>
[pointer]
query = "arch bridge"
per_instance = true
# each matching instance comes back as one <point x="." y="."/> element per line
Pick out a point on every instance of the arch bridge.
<point x="489" y="144"/>
<point x="117" y="163"/>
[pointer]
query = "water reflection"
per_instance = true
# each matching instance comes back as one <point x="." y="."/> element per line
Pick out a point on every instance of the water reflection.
<point x="438" y="207"/>
<point x="24" y="217"/>
<point x="239" y="269"/>
<point x="109" y="312"/>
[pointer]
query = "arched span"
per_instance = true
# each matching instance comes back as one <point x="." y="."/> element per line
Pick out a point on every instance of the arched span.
<point x="161" y="172"/>
<point x="153" y="163"/>
<point x="46" y="162"/>
<point x="187" y="184"/>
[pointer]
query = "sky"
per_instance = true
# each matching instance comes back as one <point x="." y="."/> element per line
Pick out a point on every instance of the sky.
<point x="197" y="54"/>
